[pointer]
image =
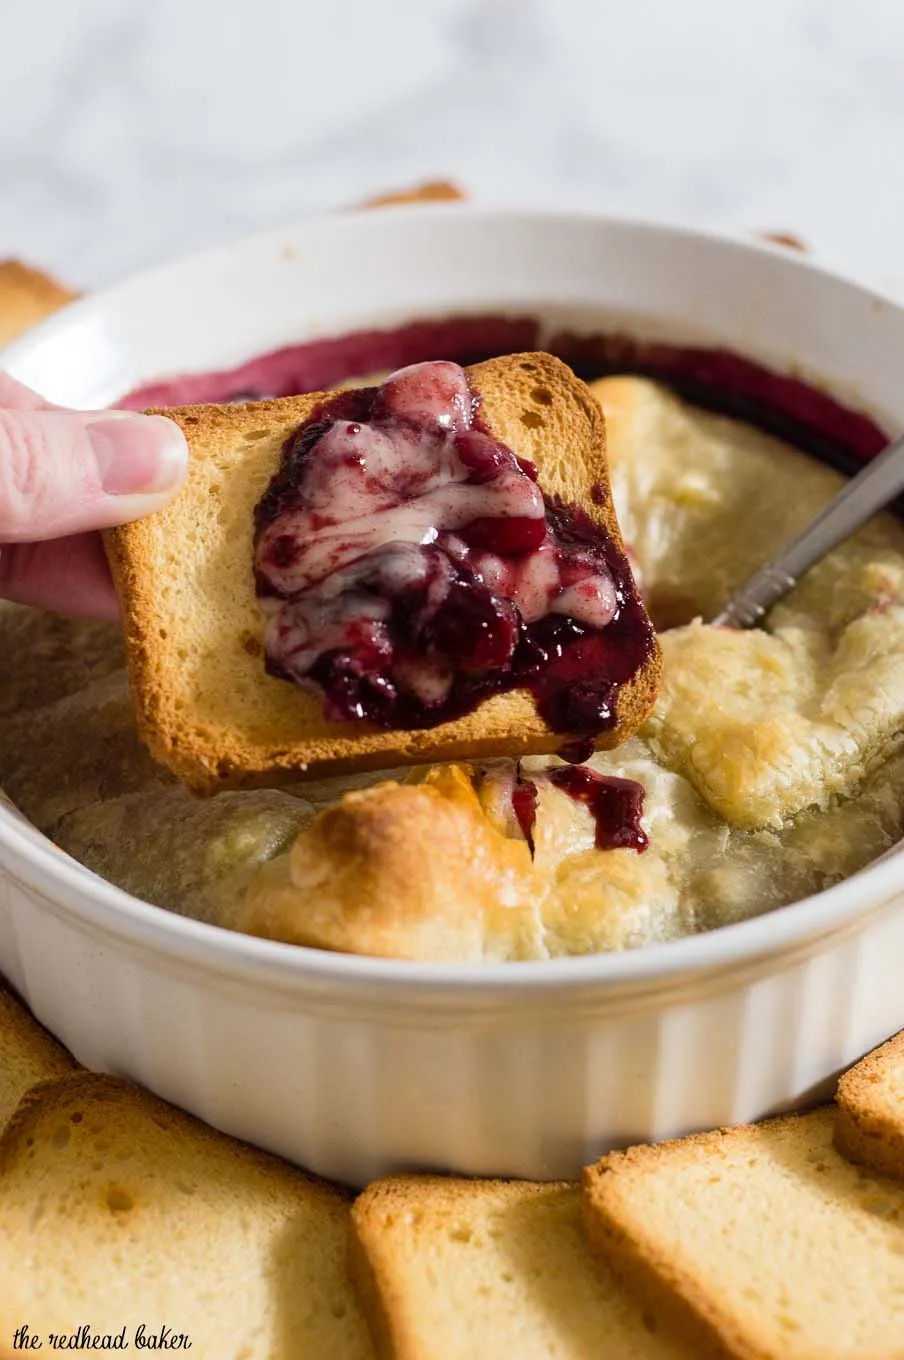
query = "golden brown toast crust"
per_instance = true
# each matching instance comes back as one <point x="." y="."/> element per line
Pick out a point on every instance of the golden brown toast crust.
<point x="26" y="296"/>
<point x="869" y="1125"/>
<point x="204" y="704"/>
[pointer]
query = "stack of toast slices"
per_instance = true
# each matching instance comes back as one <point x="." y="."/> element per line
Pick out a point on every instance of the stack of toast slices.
<point x="777" y="1241"/>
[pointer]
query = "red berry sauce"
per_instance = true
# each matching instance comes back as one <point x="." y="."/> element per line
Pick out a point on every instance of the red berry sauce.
<point x="616" y="805"/>
<point x="412" y="567"/>
<point x="524" y="806"/>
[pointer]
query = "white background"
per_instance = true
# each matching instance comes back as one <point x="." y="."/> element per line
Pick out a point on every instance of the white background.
<point x="131" y="131"/>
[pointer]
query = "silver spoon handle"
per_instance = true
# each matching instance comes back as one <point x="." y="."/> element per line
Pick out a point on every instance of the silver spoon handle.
<point x="870" y="491"/>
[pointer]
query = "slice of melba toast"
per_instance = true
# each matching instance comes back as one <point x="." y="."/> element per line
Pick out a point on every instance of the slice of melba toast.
<point x="27" y="296"/>
<point x="869" y="1126"/>
<point x="194" y="627"/>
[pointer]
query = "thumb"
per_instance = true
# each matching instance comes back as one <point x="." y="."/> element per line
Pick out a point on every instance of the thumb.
<point x="62" y="472"/>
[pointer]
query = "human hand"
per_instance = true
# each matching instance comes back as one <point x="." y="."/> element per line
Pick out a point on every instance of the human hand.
<point x="63" y="476"/>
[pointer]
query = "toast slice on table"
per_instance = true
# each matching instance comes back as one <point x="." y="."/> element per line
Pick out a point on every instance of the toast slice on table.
<point x="28" y="1054"/>
<point x="482" y="1270"/>
<point x="869" y="1126"/>
<point x="27" y="296"/>
<point x="205" y="705"/>
<point x="759" y="1242"/>
<point x="430" y="191"/>
<point x="120" y="1211"/>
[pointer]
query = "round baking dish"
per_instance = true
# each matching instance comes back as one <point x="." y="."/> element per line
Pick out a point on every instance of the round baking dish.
<point x="356" y="1066"/>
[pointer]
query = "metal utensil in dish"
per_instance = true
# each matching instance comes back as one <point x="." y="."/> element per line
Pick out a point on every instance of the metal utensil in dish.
<point x="870" y="491"/>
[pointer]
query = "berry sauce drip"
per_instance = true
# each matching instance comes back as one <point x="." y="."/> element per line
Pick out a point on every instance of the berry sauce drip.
<point x="616" y="805"/>
<point x="576" y="752"/>
<point x="524" y="806"/>
<point x="412" y="567"/>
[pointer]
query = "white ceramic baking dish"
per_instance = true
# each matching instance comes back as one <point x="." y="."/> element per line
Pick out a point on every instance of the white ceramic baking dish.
<point x="356" y="1066"/>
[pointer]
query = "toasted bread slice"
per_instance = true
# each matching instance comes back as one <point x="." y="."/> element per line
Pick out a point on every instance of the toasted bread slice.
<point x="194" y="628"/>
<point x="28" y="1054"/>
<point x="430" y="191"/>
<point x="119" y="1211"/>
<point x="869" y="1126"/>
<point x="760" y="1242"/>
<point x="486" y="1270"/>
<point x="26" y="296"/>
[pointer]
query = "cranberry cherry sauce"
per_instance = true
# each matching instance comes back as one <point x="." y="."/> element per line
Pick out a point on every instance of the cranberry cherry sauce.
<point x="616" y="805"/>
<point x="412" y="567"/>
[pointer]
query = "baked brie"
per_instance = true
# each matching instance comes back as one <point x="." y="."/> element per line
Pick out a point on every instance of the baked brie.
<point x="770" y="766"/>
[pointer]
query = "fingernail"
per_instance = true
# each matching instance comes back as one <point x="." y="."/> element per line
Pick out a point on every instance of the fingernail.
<point x="138" y="454"/>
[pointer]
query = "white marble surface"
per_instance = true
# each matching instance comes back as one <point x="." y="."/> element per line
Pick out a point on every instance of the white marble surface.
<point x="131" y="131"/>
